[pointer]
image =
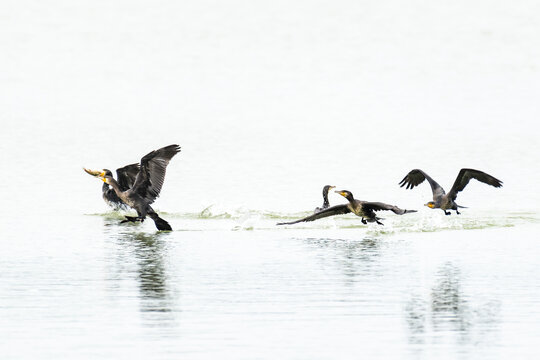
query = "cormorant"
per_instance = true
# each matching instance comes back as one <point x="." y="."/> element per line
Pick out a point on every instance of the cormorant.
<point x="126" y="177"/>
<point x="444" y="201"/>
<point x="364" y="209"/>
<point x="326" y="203"/>
<point x="146" y="186"/>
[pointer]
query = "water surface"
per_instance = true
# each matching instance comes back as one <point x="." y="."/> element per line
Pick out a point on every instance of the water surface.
<point x="97" y="289"/>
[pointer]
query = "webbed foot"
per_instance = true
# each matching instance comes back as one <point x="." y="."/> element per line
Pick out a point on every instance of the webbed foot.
<point x="446" y="212"/>
<point x="364" y="221"/>
<point x="457" y="212"/>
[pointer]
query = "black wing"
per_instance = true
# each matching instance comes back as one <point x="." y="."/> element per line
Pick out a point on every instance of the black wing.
<point x="151" y="175"/>
<point x="126" y="176"/>
<point x="467" y="174"/>
<point x="416" y="177"/>
<point x="334" y="210"/>
<point x="376" y="206"/>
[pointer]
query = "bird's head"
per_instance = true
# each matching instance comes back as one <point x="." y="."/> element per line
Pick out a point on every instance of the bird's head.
<point x="346" y="194"/>
<point x="327" y="188"/>
<point x="103" y="175"/>
<point x="430" y="205"/>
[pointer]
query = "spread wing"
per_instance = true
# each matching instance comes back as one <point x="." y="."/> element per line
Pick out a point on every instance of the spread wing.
<point x="376" y="206"/>
<point x="467" y="174"/>
<point x="334" y="210"/>
<point x="126" y="176"/>
<point x="416" y="177"/>
<point x="151" y="175"/>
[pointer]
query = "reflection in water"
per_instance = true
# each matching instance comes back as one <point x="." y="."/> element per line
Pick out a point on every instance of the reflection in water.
<point x="148" y="253"/>
<point x="152" y="277"/>
<point x="416" y="319"/>
<point x="449" y="312"/>
<point x="354" y="258"/>
<point x="447" y="303"/>
<point x="449" y="308"/>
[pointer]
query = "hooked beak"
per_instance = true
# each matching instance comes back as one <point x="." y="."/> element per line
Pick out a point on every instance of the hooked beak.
<point x="341" y="192"/>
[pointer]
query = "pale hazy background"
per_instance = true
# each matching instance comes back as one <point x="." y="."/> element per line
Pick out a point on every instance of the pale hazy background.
<point x="270" y="100"/>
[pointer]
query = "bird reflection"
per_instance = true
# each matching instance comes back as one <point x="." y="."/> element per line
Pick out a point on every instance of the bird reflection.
<point x="149" y="251"/>
<point x="416" y="319"/>
<point x="449" y="311"/>
<point x="354" y="258"/>
<point x="152" y="277"/>
<point x="448" y="305"/>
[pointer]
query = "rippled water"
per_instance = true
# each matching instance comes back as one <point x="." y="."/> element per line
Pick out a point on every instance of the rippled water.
<point x="98" y="289"/>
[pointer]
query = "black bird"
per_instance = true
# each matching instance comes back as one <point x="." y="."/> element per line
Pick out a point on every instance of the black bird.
<point x="364" y="209"/>
<point x="126" y="177"/>
<point x="326" y="203"/>
<point x="146" y="186"/>
<point x="444" y="201"/>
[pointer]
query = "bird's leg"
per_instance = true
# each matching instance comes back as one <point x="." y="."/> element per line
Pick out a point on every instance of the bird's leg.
<point x="364" y="221"/>
<point x="378" y="222"/>
<point x="457" y="212"/>
<point x="141" y="215"/>
<point x="130" y="219"/>
<point x="446" y="212"/>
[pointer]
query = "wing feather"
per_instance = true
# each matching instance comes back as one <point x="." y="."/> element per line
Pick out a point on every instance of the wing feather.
<point x="334" y="210"/>
<point x="151" y="176"/>
<point x="465" y="175"/>
<point x="376" y="206"/>
<point x="126" y="176"/>
<point x="416" y="177"/>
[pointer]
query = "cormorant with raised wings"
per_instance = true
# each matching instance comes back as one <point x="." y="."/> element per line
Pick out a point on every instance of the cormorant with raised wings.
<point x="444" y="201"/>
<point x="140" y="191"/>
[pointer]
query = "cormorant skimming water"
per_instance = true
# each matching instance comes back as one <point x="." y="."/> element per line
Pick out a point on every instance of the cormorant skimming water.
<point x="444" y="201"/>
<point x="140" y="191"/>
<point x="364" y="209"/>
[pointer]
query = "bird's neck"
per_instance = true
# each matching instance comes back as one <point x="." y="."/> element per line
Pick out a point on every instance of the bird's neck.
<point x="326" y="203"/>
<point x="114" y="185"/>
<point x="350" y="197"/>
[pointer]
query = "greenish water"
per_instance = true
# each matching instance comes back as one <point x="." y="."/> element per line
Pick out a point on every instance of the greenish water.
<point x="425" y="221"/>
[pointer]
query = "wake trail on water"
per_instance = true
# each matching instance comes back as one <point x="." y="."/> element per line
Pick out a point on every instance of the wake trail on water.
<point x="240" y="219"/>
